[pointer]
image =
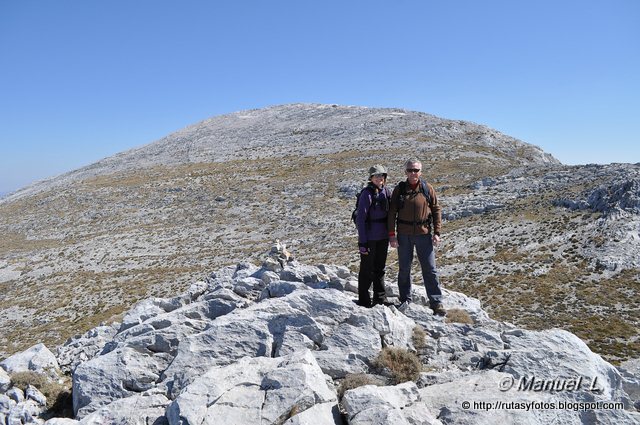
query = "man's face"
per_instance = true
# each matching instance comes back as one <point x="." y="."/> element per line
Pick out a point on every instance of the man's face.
<point x="414" y="171"/>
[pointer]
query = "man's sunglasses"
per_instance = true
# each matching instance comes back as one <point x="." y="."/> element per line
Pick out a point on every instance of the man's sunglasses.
<point x="413" y="170"/>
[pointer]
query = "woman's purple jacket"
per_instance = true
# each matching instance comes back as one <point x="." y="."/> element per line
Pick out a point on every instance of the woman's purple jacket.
<point x="372" y="213"/>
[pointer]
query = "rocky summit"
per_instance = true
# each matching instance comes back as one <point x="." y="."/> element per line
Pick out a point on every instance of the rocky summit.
<point x="539" y="243"/>
<point x="285" y="343"/>
<point x="148" y="221"/>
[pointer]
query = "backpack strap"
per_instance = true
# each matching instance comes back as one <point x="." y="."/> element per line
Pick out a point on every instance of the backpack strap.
<point x="373" y="191"/>
<point x="402" y="193"/>
<point x="354" y="214"/>
<point x="425" y="191"/>
<point x="387" y="194"/>
<point x="402" y="186"/>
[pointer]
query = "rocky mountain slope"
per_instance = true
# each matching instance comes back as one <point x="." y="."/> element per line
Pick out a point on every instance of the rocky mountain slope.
<point x="312" y="131"/>
<point x="285" y="343"/>
<point x="540" y="243"/>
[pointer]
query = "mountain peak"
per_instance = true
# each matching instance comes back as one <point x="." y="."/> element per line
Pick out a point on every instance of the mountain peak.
<point x="306" y="130"/>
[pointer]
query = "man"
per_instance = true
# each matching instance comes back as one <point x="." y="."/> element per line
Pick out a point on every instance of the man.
<point x="414" y="208"/>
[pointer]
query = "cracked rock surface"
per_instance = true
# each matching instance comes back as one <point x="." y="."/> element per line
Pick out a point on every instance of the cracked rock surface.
<point x="540" y="244"/>
<point x="278" y="357"/>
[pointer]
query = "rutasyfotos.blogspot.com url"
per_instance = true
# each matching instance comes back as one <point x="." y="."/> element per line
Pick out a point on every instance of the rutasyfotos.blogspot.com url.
<point x="541" y="405"/>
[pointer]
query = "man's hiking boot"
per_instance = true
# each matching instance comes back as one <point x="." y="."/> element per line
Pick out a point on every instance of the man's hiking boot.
<point x="363" y="304"/>
<point x="438" y="309"/>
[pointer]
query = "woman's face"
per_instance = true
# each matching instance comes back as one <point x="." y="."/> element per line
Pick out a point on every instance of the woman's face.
<point x="378" y="180"/>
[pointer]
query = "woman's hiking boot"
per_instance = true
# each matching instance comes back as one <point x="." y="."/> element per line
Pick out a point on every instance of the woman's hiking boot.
<point x="438" y="309"/>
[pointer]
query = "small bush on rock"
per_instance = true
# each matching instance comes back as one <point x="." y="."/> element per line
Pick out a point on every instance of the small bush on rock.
<point x="419" y="337"/>
<point x="355" y="380"/>
<point x="23" y="379"/>
<point x="456" y="315"/>
<point x="58" y="395"/>
<point x="403" y="365"/>
<point x="294" y="410"/>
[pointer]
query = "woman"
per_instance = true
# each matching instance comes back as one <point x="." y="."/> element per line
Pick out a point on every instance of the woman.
<point x="373" y="236"/>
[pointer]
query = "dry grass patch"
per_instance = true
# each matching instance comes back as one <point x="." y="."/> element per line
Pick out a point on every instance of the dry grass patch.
<point x="12" y="243"/>
<point x="355" y="380"/>
<point x="419" y="337"/>
<point x="58" y="394"/>
<point x="403" y="365"/>
<point x="597" y="311"/>
<point x="457" y="315"/>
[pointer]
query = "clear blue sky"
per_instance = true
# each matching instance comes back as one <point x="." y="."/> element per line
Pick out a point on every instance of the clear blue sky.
<point x="81" y="80"/>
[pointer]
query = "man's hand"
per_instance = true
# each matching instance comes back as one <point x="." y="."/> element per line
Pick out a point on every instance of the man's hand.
<point x="393" y="241"/>
<point x="436" y="240"/>
<point x="364" y="250"/>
